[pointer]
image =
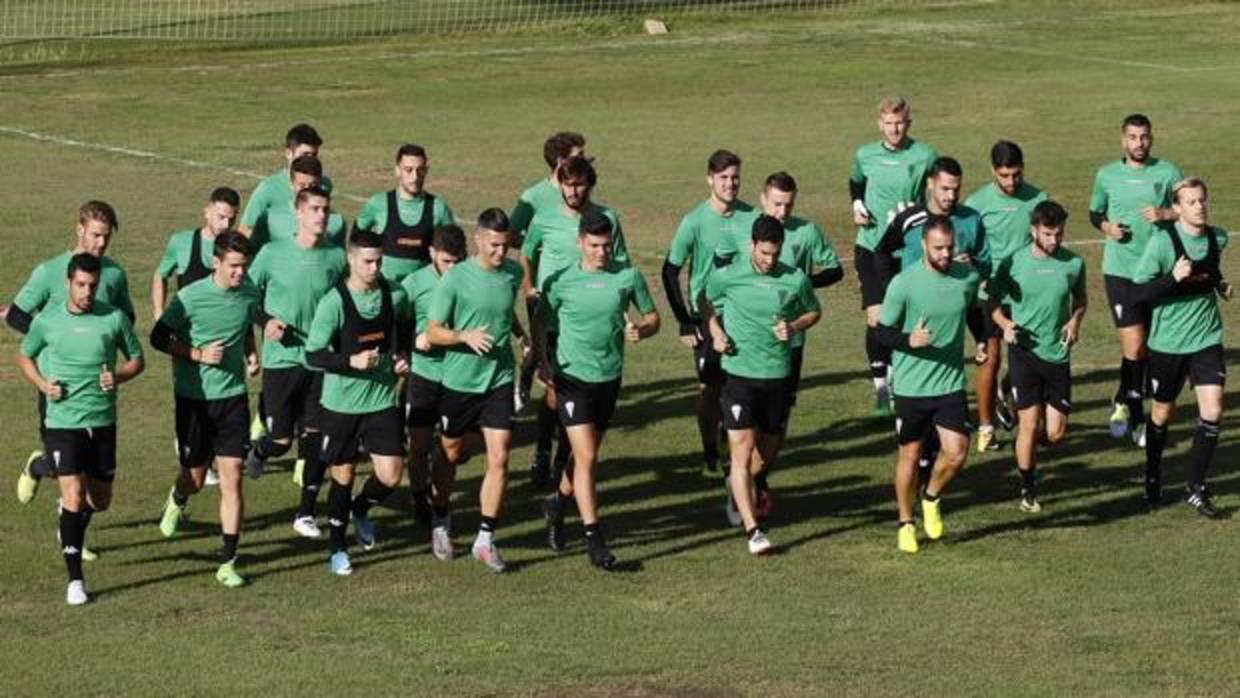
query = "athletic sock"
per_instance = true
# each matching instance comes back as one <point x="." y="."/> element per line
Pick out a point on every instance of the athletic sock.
<point x="546" y="427"/>
<point x="1155" y="442"/>
<point x="1029" y="478"/>
<point x="1132" y="379"/>
<point x="308" y="445"/>
<point x="592" y="531"/>
<point x="440" y="513"/>
<point x="931" y="497"/>
<point x="312" y="474"/>
<point x="879" y="357"/>
<point x="1205" y="438"/>
<point x="759" y="482"/>
<point x="373" y="492"/>
<point x="488" y="524"/>
<point x="229" y="552"/>
<point x="337" y="514"/>
<point x="179" y="498"/>
<point x="87" y="515"/>
<point x="71" y="541"/>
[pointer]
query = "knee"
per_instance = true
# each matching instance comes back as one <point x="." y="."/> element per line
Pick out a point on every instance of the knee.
<point x="497" y="464"/>
<point x="953" y="458"/>
<point x="1055" y="434"/>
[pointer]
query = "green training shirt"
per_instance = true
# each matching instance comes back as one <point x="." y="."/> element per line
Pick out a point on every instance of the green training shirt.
<point x="176" y="254"/>
<point x="419" y="287"/>
<point x="204" y="313"/>
<point x="538" y="197"/>
<point x="753" y="302"/>
<point x="588" y="310"/>
<point x="46" y="286"/>
<point x="274" y="190"/>
<point x="917" y="293"/>
<point x="1120" y="192"/>
<point x="470" y="297"/>
<point x="374" y="217"/>
<point x="1040" y="292"/>
<point x="292" y="280"/>
<point x="891" y="177"/>
<point x="552" y="240"/>
<point x="1187" y="324"/>
<point x="1006" y="218"/>
<point x="703" y="235"/>
<point x="279" y="223"/>
<point x="357" y="392"/>
<point x="71" y="350"/>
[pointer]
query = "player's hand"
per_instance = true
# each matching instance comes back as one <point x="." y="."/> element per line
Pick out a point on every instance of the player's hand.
<point x="1151" y="214"/>
<point x="400" y="364"/>
<point x="1011" y="333"/>
<point x="920" y="336"/>
<point x="252" y="365"/>
<point x="1224" y="290"/>
<point x="631" y="333"/>
<point x="52" y="389"/>
<point x="274" y="330"/>
<point x="1182" y="269"/>
<point x="861" y="214"/>
<point x="363" y="360"/>
<point x="1069" y="335"/>
<point x="422" y="342"/>
<point x="107" y="381"/>
<point x="980" y="355"/>
<point x="722" y="344"/>
<point x="211" y="354"/>
<point x="781" y="329"/>
<point x="477" y="339"/>
<point x="1116" y="231"/>
<point x="690" y="335"/>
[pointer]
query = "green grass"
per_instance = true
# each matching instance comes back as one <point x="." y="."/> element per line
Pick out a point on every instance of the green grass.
<point x="1087" y="598"/>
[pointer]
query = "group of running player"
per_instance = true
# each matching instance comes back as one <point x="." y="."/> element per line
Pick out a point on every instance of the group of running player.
<point x="392" y="342"/>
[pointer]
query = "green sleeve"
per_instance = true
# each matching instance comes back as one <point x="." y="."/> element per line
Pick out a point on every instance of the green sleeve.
<point x="716" y="286"/>
<point x="806" y="296"/>
<point x="337" y="229"/>
<point x="521" y="216"/>
<point x="129" y="344"/>
<point x="369" y="216"/>
<point x="176" y="316"/>
<point x="443" y="300"/>
<point x="1176" y="176"/>
<point x="258" y="229"/>
<point x="1156" y="260"/>
<point x="123" y="301"/>
<point x="822" y="254"/>
<point x="532" y="245"/>
<point x="443" y="214"/>
<point x="258" y="271"/>
<point x="402" y="304"/>
<point x="168" y="265"/>
<point x="641" y="293"/>
<point x="981" y="256"/>
<point x="255" y="207"/>
<point x="33" y="296"/>
<point x="856" y="174"/>
<point x="681" y="248"/>
<point x="34" y="341"/>
<point x="1079" y="287"/>
<point x="892" y="312"/>
<point x="1221" y="235"/>
<point x="1098" y="199"/>
<point x="620" y="252"/>
<point x="327" y="317"/>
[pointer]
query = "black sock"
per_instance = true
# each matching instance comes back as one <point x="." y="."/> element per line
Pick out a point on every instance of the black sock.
<point x="440" y="512"/>
<point x="563" y="450"/>
<point x="930" y="497"/>
<point x="87" y="515"/>
<point x="547" y="424"/>
<point x="488" y="524"/>
<point x="338" y="514"/>
<point x="179" y="497"/>
<point x="592" y="531"/>
<point x="373" y="492"/>
<point x="879" y="355"/>
<point x="1205" y="438"/>
<point x="1155" y="442"/>
<point x="267" y="448"/>
<point x="229" y="552"/>
<point x="759" y="482"/>
<point x="312" y="474"/>
<point x="1029" y="478"/>
<point x="72" y="533"/>
<point x="1132" y="380"/>
<point x="308" y="445"/>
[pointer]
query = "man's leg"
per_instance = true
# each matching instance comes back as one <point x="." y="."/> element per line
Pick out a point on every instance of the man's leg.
<point x="1131" y="391"/>
<point x="547" y="426"/>
<point x="313" y="473"/>
<point x="585" y="440"/>
<point x="491" y="496"/>
<point x="382" y="483"/>
<point x="953" y="446"/>
<point x="880" y="361"/>
<point x="987" y="377"/>
<point x="708" y="420"/>
<point x="1205" y="439"/>
<point x="73" y="506"/>
<point x="742" y="443"/>
<point x="1026" y="455"/>
<point x="339" y="498"/>
<point x="189" y="482"/>
<point x="906" y="493"/>
<point x="232" y="512"/>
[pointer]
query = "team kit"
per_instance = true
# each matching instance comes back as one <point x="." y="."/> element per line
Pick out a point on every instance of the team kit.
<point x="389" y="341"/>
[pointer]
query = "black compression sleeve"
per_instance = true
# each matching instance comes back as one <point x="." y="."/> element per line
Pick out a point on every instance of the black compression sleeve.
<point x="1097" y="218"/>
<point x="18" y="319"/>
<point x="328" y="360"/>
<point x="161" y="337"/>
<point x="856" y="190"/>
<point x="675" y="297"/>
<point x="826" y="277"/>
<point x="891" y="338"/>
<point x="1151" y="291"/>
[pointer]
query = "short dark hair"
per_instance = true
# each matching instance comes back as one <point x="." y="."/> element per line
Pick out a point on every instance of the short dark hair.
<point x="579" y="169"/>
<point x="1138" y="120"/>
<point x="560" y="145"/>
<point x="1048" y="214"/>
<point x="231" y="241"/>
<point x="101" y="211"/>
<point x="595" y="222"/>
<point x="302" y="134"/>
<point x="304" y="195"/>
<point x="944" y="165"/>
<point x="410" y="150"/>
<point x="225" y="195"/>
<point x="450" y="239"/>
<point x="768" y="229"/>
<point x="493" y="219"/>
<point x="84" y="262"/>
<point x="365" y="239"/>
<point x="1006" y="154"/>
<point x="721" y="160"/>
<point x="782" y="181"/>
<point x="306" y="164"/>
<point x="937" y="221"/>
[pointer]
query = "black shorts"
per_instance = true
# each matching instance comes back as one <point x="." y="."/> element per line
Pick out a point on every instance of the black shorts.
<point x="755" y="403"/>
<point x="423" y="398"/>
<point x="90" y="452"/>
<point x="210" y="428"/>
<point x="1125" y="311"/>
<point x="382" y="432"/>
<point x="583" y="402"/>
<point x="705" y="359"/>
<point x="1039" y="382"/>
<point x="796" y="357"/>
<point x="291" y="396"/>
<point x="916" y="415"/>
<point x="462" y="412"/>
<point x="982" y="324"/>
<point x="874" y="281"/>
<point x="1167" y="372"/>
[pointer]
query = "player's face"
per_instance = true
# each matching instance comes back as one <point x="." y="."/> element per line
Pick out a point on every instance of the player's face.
<point x="93" y="237"/>
<point x="777" y="203"/>
<point x="1137" y="142"/>
<point x="312" y="215"/>
<point x="411" y="173"/>
<point x="725" y="185"/>
<point x="301" y="181"/>
<point x="1047" y="239"/>
<point x="1009" y="179"/>
<point x="575" y="192"/>
<point x="82" y="286"/>
<point x="303" y="149"/>
<point x="1191" y="204"/>
<point x="230" y="271"/>
<point x="765" y="255"/>
<point x="936" y="248"/>
<point x="595" y="250"/>
<point x="365" y="263"/>
<point x="894" y="127"/>
<point x="945" y="190"/>
<point x="492" y="246"/>
<point x="443" y="261"/>
<point x="219" y="216"/>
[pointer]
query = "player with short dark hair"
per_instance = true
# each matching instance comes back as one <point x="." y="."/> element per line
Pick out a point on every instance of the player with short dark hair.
<point x="1179" y="274"/>
<point x="762" y="303"/>
<point x="208" y="331"/>
<point x="69" y="355"/>
<point x="406" y="216"/>
<point x="190" y="253"/>
<point x="558" y="149"/>
<point x="360" y="340"/>
<point x="1038" y="300"/>
<point x="582" y="326"/>
<point x="472" y="317"/>
<point x="277" y="189"/>
<point x="279" y="220"/>
<point x="1130" y="197"/>
<point x="923" y="322"/>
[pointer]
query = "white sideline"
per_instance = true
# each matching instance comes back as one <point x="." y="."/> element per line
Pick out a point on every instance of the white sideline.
<point x="1085" y="58"/>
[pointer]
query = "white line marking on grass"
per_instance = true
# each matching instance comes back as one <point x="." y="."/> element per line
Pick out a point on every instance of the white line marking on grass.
<point x="1069" y="55"/>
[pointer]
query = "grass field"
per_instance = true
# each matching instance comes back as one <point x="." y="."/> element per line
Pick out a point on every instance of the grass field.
<point x="1090" y="597"/>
